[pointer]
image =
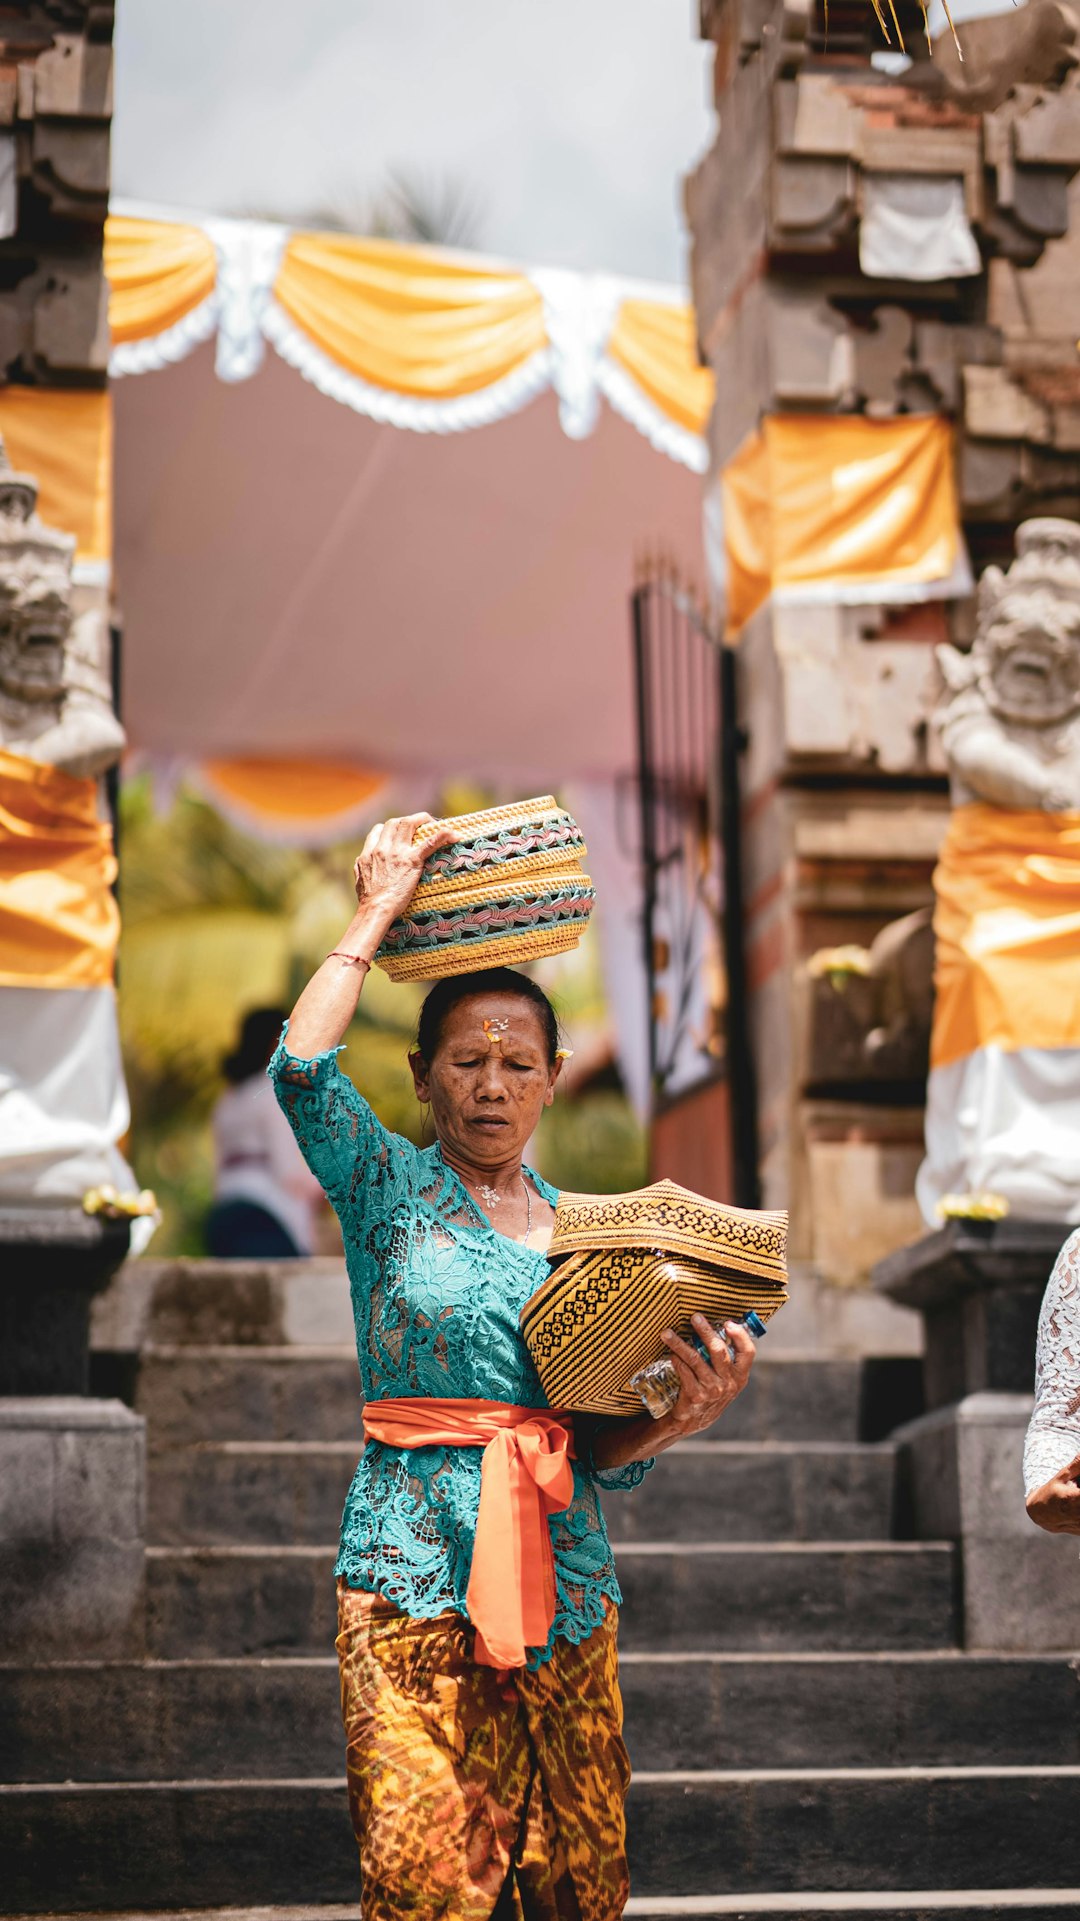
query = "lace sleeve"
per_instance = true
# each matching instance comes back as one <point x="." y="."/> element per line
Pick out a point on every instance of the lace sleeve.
<point x="1053" y="1438"/>
<point x="360" y="1165"/>
<point x="632" y="1475"/>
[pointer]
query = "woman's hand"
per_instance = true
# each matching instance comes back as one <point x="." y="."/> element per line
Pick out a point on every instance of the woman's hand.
<point x="1056" y="1507"/>
<point x="391" y="863"/>
<point x="386" y="875"/>
<point x="708" y="1382"/>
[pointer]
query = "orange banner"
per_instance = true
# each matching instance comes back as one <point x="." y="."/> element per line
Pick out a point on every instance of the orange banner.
<point x="158" y="271"/>
<point x="814" y="498"/>
<point x="657" y="345"/>
<point x="407" y="319"/>
<point x="1007" y="925"/>
<point x="59" y="922"/>
<point x="65" y="440"/>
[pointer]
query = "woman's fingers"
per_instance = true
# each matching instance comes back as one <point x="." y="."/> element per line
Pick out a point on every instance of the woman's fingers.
<point x="682" y="1352"/>
<point x="703" y="1368"/>
<point x="745" y="1349"/>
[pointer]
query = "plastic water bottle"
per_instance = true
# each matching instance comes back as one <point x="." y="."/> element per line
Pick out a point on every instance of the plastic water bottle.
<point x="659" y="1384"/>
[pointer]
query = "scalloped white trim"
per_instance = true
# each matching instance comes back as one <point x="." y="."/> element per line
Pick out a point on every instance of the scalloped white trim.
<point x="624" y="394"/>
<point x="249" y="253"/>
<point x="173" y="344"/>
<point x="579" y="313"/>
<point x="506" y="396"/>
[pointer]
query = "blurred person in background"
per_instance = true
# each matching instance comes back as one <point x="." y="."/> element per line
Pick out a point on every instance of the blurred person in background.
<point x="265" y="1200"/>
<point x="1052" y="1451"/>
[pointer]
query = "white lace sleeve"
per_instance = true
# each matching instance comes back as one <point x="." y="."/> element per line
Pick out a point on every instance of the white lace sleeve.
<point x="1053" y="1438"/>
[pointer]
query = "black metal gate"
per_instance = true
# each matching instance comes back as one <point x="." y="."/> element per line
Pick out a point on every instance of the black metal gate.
<point x="689" y="743"/>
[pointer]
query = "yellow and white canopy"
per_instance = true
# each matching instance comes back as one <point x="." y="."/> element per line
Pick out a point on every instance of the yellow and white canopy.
<point x="421" y="339"/>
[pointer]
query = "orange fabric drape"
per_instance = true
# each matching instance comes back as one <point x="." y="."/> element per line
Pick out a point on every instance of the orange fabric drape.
<point x="525" y="1477"/>
<point x="409" y="320"/>
<point x="59" y="923"/>
<point x="65" y="440"/>
<point x="813" y="498"/>
<point x="290" y="793"/>
<point x="158" y="271"/>
<point x="657" y="345"/>
<point x="1007" y="926"/>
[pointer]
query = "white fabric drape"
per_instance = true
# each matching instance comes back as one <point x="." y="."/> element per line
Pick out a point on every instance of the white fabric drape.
<point x="915" y="227"/>
<point x="1007" y="1123"/>
<point x="63" y="1103"/>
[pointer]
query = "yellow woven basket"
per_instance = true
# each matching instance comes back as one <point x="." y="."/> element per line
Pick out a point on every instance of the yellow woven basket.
<point x="511" y="889"/>
<point x="627" y="1266"/>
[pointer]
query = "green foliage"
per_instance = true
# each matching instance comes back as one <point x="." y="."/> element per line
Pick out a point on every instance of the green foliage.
<point x="594" y="1145"/>
<point x="216" y="923"/>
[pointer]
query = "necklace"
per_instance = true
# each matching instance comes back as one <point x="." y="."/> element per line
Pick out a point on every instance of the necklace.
<point x="492" y="1198"/>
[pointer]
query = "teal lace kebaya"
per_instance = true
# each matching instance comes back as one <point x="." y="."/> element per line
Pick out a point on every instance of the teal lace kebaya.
<point x="436" y="1296"/>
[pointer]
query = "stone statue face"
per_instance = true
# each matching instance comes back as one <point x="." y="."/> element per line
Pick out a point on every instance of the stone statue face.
<point x="35" y="620"/>
<point x="17" y="499"/>
<point x="1029" y="658"/>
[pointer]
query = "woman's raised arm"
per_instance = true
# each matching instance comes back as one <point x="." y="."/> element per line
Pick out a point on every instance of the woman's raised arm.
<point x="386" y="875"/>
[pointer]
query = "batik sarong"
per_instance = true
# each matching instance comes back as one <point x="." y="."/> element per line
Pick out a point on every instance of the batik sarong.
<point x="479" y="1794"/>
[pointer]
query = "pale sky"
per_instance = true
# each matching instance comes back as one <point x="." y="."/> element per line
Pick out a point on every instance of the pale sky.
<point x="567" y="124"/>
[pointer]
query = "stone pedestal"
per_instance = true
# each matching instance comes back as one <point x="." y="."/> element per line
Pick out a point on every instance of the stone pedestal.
<point x="72" y="1529"/>
<point x="963" y="1474"/>
<point x="979" y="1286"/>
<point x="52" y="1263"/>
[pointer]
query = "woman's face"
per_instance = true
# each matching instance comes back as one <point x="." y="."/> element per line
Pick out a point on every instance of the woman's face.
<point x="490" y="1079"/>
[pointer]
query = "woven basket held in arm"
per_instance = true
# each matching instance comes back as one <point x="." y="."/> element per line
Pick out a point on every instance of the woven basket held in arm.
<point x="627" y="1266"/>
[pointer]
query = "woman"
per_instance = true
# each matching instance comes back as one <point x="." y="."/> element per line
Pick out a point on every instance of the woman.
<point x="1052" y="1450"/>
<point x="264" y="1197"/>
<point x="477" y="1596"/>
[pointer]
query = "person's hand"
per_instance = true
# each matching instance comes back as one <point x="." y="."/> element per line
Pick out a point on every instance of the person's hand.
<point x="1056" y="1507"/>
<point x="391" y="862"/>
<point x="708" y="1383"/>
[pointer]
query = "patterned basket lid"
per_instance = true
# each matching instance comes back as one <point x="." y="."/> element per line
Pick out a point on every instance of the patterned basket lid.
<point x="627" y="1266"/>
<point x="677" y="1221"/>
<point x="511" y="888"/>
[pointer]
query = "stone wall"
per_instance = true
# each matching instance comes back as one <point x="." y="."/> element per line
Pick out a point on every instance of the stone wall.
<point x="844" y="785"/>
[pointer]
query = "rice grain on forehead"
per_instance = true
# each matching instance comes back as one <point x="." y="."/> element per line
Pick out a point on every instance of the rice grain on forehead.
<point x="447" y="994"/>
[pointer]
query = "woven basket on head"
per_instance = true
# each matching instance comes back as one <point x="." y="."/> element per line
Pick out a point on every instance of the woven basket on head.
<point x="510" y="889"/>
<point x="627" y="1266"/>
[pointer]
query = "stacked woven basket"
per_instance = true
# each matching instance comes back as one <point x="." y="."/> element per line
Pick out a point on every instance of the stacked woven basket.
<point x="510" y="889"/>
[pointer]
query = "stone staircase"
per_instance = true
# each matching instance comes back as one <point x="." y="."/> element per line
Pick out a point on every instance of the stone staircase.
<point x="807" y="1736"/>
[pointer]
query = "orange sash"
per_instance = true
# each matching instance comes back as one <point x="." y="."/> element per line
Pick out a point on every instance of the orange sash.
<point x="525" y="1476"/>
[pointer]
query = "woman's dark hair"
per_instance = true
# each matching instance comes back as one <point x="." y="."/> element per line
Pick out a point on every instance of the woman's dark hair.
<point x="491" y="980"/>
<point x="256" y="1041"/>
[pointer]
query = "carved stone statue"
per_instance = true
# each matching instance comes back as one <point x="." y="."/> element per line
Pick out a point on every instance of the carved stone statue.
<point x="55" y="703"/>
<point x="1003" y="1099"/>
<point x="1010" y="726"/>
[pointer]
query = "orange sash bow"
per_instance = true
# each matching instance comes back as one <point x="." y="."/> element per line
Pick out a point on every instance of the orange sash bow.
<point x="525" y="1476"/>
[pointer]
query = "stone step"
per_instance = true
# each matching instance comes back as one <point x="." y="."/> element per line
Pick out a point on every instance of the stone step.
<point x="760" y="1491"/>
<point x="1047" y="1904"/>
<point x="245" y="1393"/>
<point x="291" y="1493"/>
<point x="798" y="1597"/>
<point x="249" y="1717"/>
<point x="690" y="1833"/>
<point x="801" y="1597"/>
<point x="237" y="1393"/>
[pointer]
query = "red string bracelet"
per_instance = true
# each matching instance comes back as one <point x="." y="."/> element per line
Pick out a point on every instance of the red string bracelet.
<point x="353" y="960"/>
